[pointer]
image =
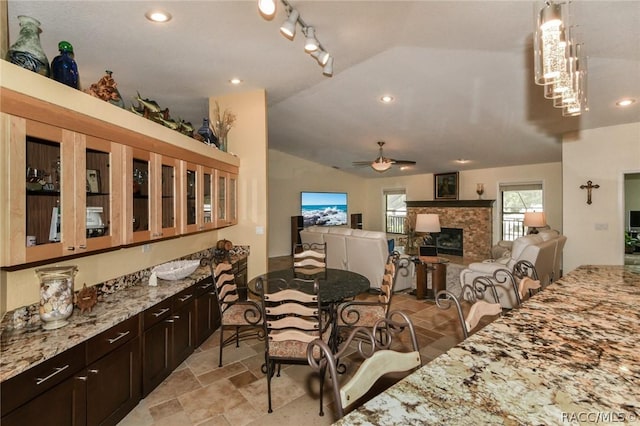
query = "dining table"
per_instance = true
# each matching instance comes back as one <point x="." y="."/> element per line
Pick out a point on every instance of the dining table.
<point x="568" y="355"/>
<point x="334" y="287"/>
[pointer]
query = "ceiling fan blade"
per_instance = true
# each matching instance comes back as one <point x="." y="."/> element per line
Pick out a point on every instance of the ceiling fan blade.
<point x="403" y="162"/>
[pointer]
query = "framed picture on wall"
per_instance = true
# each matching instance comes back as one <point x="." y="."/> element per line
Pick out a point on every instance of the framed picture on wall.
<point x="445" y="186"/>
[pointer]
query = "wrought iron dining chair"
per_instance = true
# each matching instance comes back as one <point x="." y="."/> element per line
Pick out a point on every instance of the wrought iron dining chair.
<point x="292" y="318"/>
<point x="380" y="358"/>
<point x="310" y="258"/>
<point x="360" y="313"/>
<point x="244" y="317"/>
<point x="474" y="294"/>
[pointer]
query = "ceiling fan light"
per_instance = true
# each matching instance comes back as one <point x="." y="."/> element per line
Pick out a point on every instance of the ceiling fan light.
<point x="288" y="28"/>
<point x="380" y="165"/>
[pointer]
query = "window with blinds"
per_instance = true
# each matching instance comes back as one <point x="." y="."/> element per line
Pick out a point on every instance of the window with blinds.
<point x="516" y="199"/>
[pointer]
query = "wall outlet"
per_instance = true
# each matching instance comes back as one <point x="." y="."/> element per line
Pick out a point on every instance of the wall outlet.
<point x="601" y="226"/>
<point x="259" y="230"/>
<point x="146" y="248"/>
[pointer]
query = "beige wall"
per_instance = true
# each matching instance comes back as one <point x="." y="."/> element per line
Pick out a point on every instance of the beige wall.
<point x="248" y="140"/>
<point x="288" y="175"/>
<point x="595" y="232"/>
<point x="420" y="188"/>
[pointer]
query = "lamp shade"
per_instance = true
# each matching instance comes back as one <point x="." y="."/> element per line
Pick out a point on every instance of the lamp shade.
<point x="427" y="222"/>
<point x="288" y="28"/>
<point x="535" y="219"/>
<point x="267" y="8"/>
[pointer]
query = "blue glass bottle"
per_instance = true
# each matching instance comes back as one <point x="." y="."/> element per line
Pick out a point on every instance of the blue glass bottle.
<point x="64" y="68"/>
<point x="207" y="134"/>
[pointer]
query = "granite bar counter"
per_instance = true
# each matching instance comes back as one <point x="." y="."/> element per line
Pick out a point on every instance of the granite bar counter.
<point x="569" y="355"/>
<point x="26" y="347"/>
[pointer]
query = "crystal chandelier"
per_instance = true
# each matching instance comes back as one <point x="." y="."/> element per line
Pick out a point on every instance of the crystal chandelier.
<point x="559" y="61"/>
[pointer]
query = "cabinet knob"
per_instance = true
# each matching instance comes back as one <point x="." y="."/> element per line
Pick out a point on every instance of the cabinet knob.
<point x="82" y="247"/>
<point x="83" y="378"/>
<point x="71" y="248"/>
<point x="56" y="370"/>
<point x="95" y="371"/>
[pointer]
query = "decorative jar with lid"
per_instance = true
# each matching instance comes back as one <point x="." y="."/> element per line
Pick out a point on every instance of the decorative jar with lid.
<point x="56" y="295"/>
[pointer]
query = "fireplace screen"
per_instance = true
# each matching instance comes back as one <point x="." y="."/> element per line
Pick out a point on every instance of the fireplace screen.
<point x="449" y="241"/>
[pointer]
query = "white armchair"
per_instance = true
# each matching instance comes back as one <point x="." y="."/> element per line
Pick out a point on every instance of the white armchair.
<point x="539" y="249"/>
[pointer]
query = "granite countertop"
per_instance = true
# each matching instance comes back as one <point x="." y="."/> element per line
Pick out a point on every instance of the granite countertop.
<point x="569" y="355"/>
<point x="22" y="349"/>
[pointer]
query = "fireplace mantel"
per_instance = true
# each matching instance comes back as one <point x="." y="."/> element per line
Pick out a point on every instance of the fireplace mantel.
<point x="452" y="203"/>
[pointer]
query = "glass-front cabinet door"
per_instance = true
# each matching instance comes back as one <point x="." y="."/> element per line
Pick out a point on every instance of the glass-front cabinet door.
<point x="208" y="200"/>
<point x="191" y="195"/>
<point x="221" y="198"/>
<point x="164" y="201"/>
<point x="137" y="217"/>
<point x="103" y="182"/>
<point x="232" y="204"/>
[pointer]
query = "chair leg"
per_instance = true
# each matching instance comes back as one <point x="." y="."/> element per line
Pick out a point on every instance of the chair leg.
<point x="237" y="337"/>
<point x="221" y="340"/>
<point x="279" y="365"/>
<point x="322" y="371"/>
<point x="270" y="368"/>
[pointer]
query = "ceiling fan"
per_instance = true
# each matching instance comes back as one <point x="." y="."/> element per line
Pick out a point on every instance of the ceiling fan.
<point x="382" y="164"/>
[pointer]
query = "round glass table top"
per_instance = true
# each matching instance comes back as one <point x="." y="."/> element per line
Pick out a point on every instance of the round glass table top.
<point x="334" y="285"/>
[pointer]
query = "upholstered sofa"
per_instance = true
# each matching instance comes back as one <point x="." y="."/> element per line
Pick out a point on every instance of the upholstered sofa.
<point x="543" y="250"/>
<point x="357" y="250"/>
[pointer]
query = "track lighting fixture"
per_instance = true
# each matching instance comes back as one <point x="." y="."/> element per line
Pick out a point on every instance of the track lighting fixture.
<point x="288" y="28"/>
<point x="312" y="45"/>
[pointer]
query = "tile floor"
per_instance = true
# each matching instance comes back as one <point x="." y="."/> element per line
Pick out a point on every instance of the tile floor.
<point x="200" y="393"/>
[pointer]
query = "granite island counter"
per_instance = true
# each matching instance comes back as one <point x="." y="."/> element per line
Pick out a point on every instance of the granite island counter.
<point x="569" y="355"/>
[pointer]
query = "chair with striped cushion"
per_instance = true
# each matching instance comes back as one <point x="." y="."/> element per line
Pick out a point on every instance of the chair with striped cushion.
<point x="244" y="317"/>
<point x="310" y="258"/>
<point x="360" y="313"/>
<point x="292" y="318"/>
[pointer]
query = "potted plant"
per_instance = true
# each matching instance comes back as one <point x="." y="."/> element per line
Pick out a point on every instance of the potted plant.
<point x="630" y="243"/>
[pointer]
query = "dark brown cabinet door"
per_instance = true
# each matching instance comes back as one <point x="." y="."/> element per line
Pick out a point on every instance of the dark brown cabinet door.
<point x="156" y="355"/>
<point x="113" y="385"/>
<point x="207" y="313"/>
<point x="64" y="404"/>
<point x="183" y="333"/>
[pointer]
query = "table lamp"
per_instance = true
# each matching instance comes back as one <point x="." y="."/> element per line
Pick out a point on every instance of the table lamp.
<point x="429" y="223"/>
<point x="534" y="220"/>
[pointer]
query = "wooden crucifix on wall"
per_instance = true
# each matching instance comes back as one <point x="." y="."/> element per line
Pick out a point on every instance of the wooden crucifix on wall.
<point x="589" y="186"/>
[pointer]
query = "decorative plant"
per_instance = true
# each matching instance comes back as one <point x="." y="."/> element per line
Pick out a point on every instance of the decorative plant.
<point x="222" y="123"/>
<point x="630" y="242"/>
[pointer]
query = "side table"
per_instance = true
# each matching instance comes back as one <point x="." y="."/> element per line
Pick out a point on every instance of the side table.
<point x="438" y="268"/>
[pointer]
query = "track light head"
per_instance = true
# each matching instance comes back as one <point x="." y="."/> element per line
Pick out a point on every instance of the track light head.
<point x="267" y="8"/>
<point x="288" y="28"/>
<point x="310" y="44"/>
<point x="328" y="68"/>
<point x="321" y="56"/>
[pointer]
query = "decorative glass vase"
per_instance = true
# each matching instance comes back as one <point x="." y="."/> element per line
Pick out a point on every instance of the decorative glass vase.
<point x="222" y="143"/>
<point x="56" y="295"/>
<point x="207" y="134"/>
<point x="27" y="51"/>
<point x="64" y="68"/>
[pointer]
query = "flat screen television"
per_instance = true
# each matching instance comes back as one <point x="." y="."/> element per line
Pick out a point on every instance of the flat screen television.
<point x="323" y="208"/>
<point x="634" y="219"/>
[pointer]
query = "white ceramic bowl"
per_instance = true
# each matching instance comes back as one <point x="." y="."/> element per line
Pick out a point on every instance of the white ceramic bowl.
<point x="176" y="270"/>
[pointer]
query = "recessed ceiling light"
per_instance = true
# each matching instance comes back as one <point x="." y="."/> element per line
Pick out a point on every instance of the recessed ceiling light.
<point x="385" y="99"/>
<point x="625" y="102"/>
<point x="462" y="160"/>
<point x="235" y="81"/>
<point x="158" y="16"/>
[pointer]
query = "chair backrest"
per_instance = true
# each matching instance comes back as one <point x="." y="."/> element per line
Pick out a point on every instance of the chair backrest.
<point x="474" y="294"/>
<point x="381" y="357"/>
<point x="310" y="258"/>
<point x="526" y="276"/>
<point x="224" y="285"/>
<point x="291" y="312"/>
<point x="557" y="258"/>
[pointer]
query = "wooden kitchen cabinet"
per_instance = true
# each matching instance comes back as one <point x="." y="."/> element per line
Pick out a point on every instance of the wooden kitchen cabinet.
<point x="207" y="311"/>
<point x="183" y="331"/>
<point x="68" y="200"/>
<point x="226" y="199"/>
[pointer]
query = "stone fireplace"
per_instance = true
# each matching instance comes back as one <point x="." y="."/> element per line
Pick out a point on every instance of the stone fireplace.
<point x="473" y="217"/>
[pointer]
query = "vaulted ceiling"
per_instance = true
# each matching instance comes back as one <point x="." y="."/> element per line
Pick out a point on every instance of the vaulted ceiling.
<point x="460" y="73"/>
